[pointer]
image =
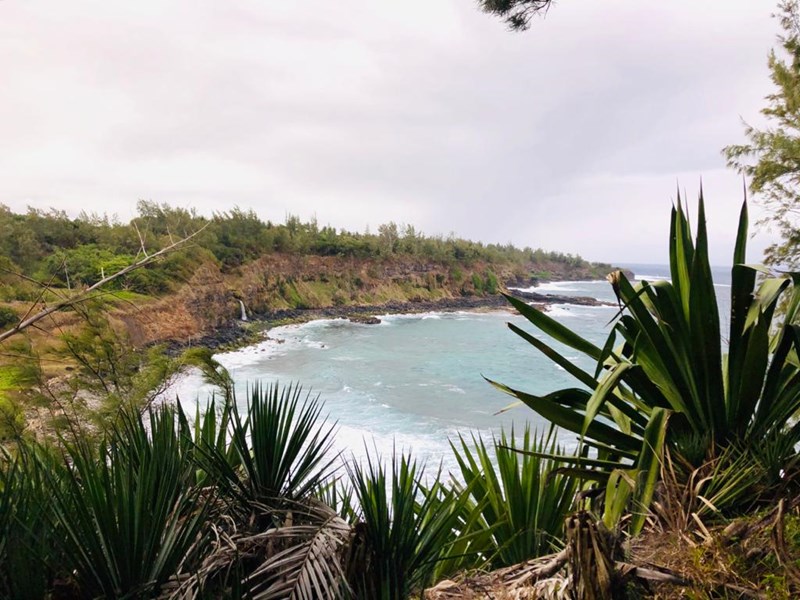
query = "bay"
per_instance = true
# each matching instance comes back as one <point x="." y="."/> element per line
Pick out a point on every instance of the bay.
<point x="415" y="382"/>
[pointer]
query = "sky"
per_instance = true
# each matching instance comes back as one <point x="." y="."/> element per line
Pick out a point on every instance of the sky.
<point x="573" y="136"/>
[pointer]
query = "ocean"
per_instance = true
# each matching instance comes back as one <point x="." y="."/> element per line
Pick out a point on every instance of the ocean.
<point x="415" y="382"/>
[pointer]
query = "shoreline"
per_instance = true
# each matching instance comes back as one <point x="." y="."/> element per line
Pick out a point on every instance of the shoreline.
<point x="237" y="334"/>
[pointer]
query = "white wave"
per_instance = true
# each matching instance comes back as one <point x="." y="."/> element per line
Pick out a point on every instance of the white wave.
<point x="251" y="355"/>
<point x="665" y="278"/>
<point x="651" y="278"/>
<point x="189" y="388"/>
<point x="389" y="318"/>
<point x="562" y="286"/>
<point x="561" y="311"/>
<point x="358" y="443"/>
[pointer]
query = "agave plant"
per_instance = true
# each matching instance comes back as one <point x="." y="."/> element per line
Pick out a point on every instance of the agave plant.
<point x="521" y="497"/>
<point x="405" y="527"/>
<point x="129" y="518"/>
<point x="276" y="452"/>
<point x="670" y="383"/>
<point x="273" y="537"/>
<point x="26" y="541"/>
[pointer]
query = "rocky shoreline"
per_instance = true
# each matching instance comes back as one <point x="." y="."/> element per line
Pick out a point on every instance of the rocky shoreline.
<point x="238" y="333"/>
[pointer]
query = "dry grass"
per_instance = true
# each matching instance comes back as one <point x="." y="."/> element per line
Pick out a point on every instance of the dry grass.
<point x="751" y="557"/>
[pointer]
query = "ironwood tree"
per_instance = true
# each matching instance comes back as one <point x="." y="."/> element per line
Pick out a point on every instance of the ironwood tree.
<point x="770" y="160"/>
<point x="516" y="13"/>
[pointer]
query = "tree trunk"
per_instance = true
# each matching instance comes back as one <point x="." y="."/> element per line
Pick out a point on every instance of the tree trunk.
<point x="590" y="561"/>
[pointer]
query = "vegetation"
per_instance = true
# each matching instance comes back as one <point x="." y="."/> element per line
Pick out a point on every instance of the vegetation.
<point x="71" y="253"/>
<point x="161" y="507"/>
<point x="516" y="13"/>
<point x="668" y="385"/>
<point x="679" y="434"/>
<point x="522" y="501"/>
<point x="769" y="158"/>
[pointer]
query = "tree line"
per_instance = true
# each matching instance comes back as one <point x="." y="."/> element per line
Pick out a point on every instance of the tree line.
<point x="49" y="245"/>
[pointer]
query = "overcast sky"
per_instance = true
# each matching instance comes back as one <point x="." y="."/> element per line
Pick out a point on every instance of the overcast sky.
<point x="572" y="136"/>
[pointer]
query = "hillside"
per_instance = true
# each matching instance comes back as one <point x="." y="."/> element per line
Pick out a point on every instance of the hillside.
<point x="235" y="256"/>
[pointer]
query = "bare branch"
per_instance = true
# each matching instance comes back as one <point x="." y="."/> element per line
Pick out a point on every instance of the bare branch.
<point x="87" y="293"/>
<point x="141" y="239"/>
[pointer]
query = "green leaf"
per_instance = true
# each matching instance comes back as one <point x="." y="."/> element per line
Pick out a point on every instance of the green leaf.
<point x="550" y="407"/>
<point x="553" y="328"/>
<point x="649" y="466"/>
<point x="740" y="249"/>
<point x="566" y="364"/>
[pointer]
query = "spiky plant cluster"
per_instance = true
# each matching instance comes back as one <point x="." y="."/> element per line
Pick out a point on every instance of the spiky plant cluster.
<point x="252" y="502"/>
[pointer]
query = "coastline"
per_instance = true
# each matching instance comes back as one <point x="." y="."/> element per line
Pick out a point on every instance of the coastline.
<point x="236" y="334"/>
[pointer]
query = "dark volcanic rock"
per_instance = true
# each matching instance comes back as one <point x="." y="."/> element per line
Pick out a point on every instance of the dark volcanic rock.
<point x="556" y="299"/>
<point x="365" y="319"/>
<point x="235" y="333"/>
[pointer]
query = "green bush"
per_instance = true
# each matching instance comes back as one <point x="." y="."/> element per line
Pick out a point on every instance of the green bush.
<point x="521" y="497"/>
<point x="12" y="418"/>
<point x="477" y="283"/>
<point x="491" y="283"/>
<point x="8" y="317"/>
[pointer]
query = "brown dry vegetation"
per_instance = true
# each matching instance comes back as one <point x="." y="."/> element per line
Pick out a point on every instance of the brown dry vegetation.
<point x="749" y="557"/>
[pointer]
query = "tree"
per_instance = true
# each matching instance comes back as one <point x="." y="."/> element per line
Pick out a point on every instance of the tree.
<point x="517" y="13"/>
<point x="771" y="158"/>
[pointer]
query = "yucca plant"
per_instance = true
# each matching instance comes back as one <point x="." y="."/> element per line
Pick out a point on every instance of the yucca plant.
<point x="27" y="542"/>
<point x="129" y="518"/>
<point x="521" y="497"/>
<point x="274" y="538"/>
<point x="404" y="529"/>
<point x="670" y="382"/>
<point x="277" y="451"/>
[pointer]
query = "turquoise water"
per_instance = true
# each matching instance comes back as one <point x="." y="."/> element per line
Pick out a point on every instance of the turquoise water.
<point x="416" y="381"/>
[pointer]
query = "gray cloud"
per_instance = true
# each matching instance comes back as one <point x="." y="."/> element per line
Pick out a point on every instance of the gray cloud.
<point x="571" y="136"/>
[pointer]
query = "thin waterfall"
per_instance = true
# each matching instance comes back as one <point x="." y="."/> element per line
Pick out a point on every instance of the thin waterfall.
<point x="244" y="312"/>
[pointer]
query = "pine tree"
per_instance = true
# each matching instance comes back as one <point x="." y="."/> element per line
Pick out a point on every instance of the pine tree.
<point x="771" y="158"/>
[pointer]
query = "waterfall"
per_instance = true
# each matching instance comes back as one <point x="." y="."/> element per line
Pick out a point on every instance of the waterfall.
<point x="244" y="312"/>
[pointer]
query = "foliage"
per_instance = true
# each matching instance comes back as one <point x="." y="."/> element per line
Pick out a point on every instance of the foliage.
<point x="669" y="384"/>
<point x="769" y="158"/>
<point x="405" y="527"/>
<point x="283" y="451"/>
<point x="12" y="418"/>
<point x="110" y="367"/>
<point x="521" y="497"/>
<point x="159" y="506"/>
<point x="25" y="551"/>
<point x="51" y="247"/>
<point x="266" y="465"/>
<point x="129" y="520"/>
<point x="8" y="317"/>
<point x="516" y="13"/>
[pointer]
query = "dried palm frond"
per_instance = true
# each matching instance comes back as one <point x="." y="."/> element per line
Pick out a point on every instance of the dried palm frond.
<point x="299" y="559"/>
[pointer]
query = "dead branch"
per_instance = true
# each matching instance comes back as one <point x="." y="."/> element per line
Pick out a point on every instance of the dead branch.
<point x="541" y="570"/>
<point x="87" y="293"/>
<point x="779" y="544"/>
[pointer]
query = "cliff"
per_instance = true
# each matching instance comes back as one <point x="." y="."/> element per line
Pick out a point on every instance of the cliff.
<point x="286" y="285"/>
